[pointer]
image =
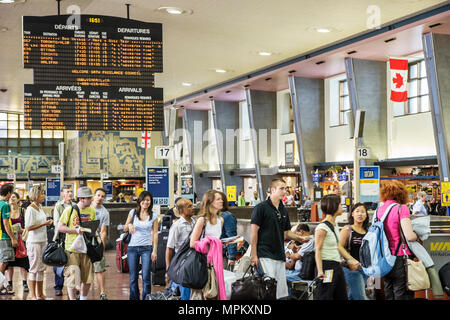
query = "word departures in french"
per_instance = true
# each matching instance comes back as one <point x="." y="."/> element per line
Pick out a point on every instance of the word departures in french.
<point x="225" y="310"/>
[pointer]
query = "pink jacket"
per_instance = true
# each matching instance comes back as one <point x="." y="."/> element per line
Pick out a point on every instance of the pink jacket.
<point x="213" y="247"/>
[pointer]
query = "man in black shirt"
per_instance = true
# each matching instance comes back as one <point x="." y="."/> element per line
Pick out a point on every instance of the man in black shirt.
<point x="270" y="225"/>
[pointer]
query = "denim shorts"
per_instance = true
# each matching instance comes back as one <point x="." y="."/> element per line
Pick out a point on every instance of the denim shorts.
<point x="6" y="251"/>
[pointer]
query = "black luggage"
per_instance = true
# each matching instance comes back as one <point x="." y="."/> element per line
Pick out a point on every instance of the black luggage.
<point x="159" y="266"/>
<point x="308" y="271"/>
<point x="444" y="276"/>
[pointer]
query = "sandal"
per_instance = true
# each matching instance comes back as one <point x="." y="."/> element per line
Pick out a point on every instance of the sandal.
<point x="5" y="291"/>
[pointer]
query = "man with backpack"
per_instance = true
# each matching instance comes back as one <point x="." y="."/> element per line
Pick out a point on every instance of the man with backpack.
<point x="179" y="232"/>
<point x="79" y="271"/>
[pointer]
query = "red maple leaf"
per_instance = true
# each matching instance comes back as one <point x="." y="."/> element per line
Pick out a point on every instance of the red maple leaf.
<point x="398" y="79"/>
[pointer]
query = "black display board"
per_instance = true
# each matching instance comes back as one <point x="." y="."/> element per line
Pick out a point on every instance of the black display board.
<point x="92" y="73"/>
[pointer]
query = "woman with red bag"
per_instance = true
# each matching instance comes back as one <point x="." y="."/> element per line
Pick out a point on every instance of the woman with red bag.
<point x="21" y="261"/>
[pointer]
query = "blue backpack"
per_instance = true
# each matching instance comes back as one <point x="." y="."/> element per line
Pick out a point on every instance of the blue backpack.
<point x="375" y="257"/>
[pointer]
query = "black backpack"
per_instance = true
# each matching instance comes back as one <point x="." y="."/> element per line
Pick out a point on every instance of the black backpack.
<point x="308" y="271"/>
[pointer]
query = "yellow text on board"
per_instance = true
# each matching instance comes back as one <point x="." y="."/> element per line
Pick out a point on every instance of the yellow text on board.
<point x="231" y="193"/>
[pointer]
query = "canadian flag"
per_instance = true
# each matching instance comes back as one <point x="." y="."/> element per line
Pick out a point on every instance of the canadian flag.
<point x="399" y="76"/>
<point x="146" y="136"/>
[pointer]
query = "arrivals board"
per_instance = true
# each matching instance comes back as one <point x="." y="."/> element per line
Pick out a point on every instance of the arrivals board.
<point x="92" y="72"/>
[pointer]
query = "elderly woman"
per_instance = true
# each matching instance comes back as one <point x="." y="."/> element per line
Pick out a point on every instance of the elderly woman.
<point x="36" y="222"/>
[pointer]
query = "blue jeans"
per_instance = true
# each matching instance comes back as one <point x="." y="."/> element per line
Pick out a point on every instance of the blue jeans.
<point x="59" y="277"/>
<point x="133" y="254"/>
<point x="356" y="280"/>
<point x="292" y="275"/>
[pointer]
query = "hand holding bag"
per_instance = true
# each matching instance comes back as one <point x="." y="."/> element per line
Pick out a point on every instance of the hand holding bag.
<point x="21" y="250"/>
<point x="79" y="244"/>
<point x="94" y="247"/>
<point x="211" y="290"/>
<point x="254" y="287"/>
<point x="416" y="275"/>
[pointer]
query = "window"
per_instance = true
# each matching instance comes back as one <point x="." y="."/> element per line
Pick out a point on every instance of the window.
<point x="14" y="139"/>
<point x="344" y="102"/>
<point x="418" y="99"/>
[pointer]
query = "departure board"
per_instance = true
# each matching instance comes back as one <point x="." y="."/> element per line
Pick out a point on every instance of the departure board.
<point x="92" y="72"/>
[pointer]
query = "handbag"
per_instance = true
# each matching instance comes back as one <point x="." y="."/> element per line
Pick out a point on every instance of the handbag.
<point x="254" y="287"/>
<point x="416" y="275"/>
<point x="127" y="237"/>
<point x="21" y="250"/>
<point x="211" y="291"/>
<point x="93" y="245"/>
<point x="54" y="253"/>
<point x="188" y="267"/>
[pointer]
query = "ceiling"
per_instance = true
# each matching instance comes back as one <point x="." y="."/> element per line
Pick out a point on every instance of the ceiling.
<point x="228" y="35"/>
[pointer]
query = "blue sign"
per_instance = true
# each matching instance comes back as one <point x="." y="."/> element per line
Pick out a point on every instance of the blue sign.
<point x="343" y="176"/>
<point x="316" y="177"/>
<point x="53" y="191"/>
<point x="108" y="186"/>
<point x="369" y="184"/>
<point x="157" y="183"/>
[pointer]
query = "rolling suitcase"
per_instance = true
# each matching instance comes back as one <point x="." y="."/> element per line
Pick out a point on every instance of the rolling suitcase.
<point x="121" y="256"/>
<point x="159" y="266"/>
<point x="444" y="276"/>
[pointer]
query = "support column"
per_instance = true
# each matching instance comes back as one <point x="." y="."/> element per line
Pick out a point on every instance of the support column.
<point x="219" y="146"/>
<point x="307" y="98"/>
<point x="189" y="148"/>
<point x="254" y="144"/>
<point x="437" y="60"/>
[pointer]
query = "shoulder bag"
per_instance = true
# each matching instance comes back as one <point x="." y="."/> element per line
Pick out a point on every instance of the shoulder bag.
<point x="189" y="267"/>
<point x="416" y="275"/>
<point x="54" y="253"/>
<point x="93" y="245"/>
<point x="127" y="237"/>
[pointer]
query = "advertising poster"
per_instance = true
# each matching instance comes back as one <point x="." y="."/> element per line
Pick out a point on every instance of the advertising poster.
<point x="157" y="182"/>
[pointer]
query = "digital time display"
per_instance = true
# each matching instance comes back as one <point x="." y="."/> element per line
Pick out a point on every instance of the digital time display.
<point x="369" y="174"/>
<point x="100" y="65"/>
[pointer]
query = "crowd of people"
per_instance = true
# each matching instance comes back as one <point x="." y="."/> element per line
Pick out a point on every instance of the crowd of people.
<point x="26" y="233"/>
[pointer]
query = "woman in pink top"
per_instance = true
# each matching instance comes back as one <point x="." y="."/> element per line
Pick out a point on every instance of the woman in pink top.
<point x="393" y="191"/>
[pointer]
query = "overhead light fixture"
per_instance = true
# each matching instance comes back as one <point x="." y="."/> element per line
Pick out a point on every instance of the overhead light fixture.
<point x="264" y="53"/>
<point x="186" y="84"/>
<point x="323" y="30"/>
<point x="3" y="29"/>
<point x="11" y="1"/>
<point x="174" y="10"/>
<point x="221" y="70"/>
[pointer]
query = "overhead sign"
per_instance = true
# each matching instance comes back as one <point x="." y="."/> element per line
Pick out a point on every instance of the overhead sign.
<point x="445" y="194"/>
<point x="104" y="175"/>
<point x="231" y="193"/>
<point x="363" y="153"/>
<point x="163" y="152"/>
<point x="157" y="183"/>
<point x="369" y="183"/>
<point x="11" y="176"/>
<point x="92" y="72"/>
<point x="53" y="191"/>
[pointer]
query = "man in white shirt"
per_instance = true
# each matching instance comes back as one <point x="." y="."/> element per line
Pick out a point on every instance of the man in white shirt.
<point x="103" y="215"/>
<point x="419" y="208"/>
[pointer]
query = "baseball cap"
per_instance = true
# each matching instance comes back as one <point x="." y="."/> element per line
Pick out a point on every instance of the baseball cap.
<point x="84" y="192"/>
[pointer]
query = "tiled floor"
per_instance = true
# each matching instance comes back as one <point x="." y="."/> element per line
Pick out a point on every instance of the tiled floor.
<point x="116" y="284"/>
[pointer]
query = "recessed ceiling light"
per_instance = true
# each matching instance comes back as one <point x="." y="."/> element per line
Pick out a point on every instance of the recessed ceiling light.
<point x="323" y="30"/>
<point x="3" y="29"/>
<point x="264" y="53"/>
<point x="174" y="10"/>
<point x="221" y="70"/>
<point x="186" y="84"/>
<point x="11" y="1"/>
